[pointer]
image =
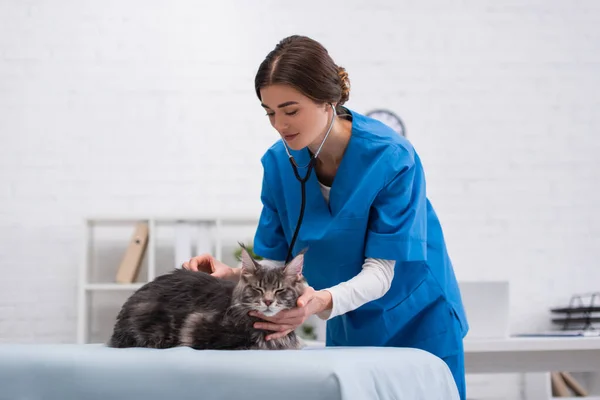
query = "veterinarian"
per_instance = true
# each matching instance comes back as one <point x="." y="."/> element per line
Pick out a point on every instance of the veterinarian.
<point x="377" y="262"/>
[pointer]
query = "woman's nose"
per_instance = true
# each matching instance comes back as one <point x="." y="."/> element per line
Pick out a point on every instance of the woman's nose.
<point x="280" y="126"/>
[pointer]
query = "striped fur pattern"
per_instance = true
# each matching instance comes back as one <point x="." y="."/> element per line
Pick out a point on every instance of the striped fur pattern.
<point x="194" y="309"/>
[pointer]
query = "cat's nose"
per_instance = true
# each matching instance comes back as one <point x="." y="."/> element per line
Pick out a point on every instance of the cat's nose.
<point x="268" y="302"/>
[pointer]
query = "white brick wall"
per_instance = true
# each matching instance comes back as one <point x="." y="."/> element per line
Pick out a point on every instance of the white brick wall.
<point x="148" y="107"/>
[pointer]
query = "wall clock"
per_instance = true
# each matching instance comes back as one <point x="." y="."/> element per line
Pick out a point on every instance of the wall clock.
<point x="390" y="119"/>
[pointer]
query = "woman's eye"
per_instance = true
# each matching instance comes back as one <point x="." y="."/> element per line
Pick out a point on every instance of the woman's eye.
<point x="290" y="113"/>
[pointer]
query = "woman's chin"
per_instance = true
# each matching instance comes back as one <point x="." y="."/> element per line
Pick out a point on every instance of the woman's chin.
<point x="294" y="142"/>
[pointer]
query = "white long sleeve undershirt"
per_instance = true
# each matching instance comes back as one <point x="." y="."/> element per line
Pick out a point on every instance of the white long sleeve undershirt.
<point x="371" y="283"/>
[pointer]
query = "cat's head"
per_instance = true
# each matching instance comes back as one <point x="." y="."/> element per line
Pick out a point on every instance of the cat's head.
<point x="269" y="289"/>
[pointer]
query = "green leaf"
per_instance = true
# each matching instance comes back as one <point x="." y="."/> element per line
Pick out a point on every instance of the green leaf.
<point x="249" y="247"/>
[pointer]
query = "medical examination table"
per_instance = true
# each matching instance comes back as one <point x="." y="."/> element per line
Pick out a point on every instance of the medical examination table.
<point x="93" y="371"/>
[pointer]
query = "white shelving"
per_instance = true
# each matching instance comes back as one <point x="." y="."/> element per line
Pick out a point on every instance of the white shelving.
<point x="105" y="240"/>
<point x="538" y="386"/>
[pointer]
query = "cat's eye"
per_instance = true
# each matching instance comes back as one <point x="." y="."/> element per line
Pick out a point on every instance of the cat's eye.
<point x="280" y="291"/>
<point x="259" y="290"/>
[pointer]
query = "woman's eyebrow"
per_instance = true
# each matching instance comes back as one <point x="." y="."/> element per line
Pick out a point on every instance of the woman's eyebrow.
<point x="287" y="103"/>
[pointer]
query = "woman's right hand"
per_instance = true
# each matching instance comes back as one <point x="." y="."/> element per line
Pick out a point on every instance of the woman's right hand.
<point x="207" y="263"/>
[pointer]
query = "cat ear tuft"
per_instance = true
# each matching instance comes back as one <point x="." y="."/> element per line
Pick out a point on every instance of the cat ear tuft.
<point x="294" y="267"/>
<point x="248" y="264"/>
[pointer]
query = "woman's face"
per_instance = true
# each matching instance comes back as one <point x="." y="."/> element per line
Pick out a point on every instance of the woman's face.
<point x="298" y="119"/>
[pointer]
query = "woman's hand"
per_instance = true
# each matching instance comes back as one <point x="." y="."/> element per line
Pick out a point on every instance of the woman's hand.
<point x="311" y="302"/>
<point x="207" y="263"/>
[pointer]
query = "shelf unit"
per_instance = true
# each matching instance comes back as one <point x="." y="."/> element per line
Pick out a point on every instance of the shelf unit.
<point x="168" y="238"/>
<point x="538" y="386"/>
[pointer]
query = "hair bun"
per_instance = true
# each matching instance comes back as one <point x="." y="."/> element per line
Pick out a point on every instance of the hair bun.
<point x="303" y="63"/>
<point x="344" y="84"/>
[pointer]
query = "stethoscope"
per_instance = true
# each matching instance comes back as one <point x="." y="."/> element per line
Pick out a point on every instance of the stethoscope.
<point x="303" y="181"/>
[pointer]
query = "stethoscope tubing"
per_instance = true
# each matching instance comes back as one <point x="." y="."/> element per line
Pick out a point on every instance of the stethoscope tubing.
<point x="303" y="181"/>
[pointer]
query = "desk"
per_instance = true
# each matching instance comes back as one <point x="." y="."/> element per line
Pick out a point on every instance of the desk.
<point x="535" y="357"/>
<point x="528" y="354"/>
<point x="532" y="354"/>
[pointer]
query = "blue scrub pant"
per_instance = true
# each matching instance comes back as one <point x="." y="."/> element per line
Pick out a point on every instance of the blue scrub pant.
<point x="456" y="363"/>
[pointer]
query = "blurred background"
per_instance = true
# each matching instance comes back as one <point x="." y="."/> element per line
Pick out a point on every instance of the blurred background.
<point x="142" y="109"/>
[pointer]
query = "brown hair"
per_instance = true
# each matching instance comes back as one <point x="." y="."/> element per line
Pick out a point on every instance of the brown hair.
<point x="304" y="64"/>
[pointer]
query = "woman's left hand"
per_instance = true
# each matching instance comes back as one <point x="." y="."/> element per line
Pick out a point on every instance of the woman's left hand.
<point x="311" y="302"/>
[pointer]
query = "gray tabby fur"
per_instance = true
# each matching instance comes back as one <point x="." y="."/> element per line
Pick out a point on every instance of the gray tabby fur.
<point x="195" y="309"/>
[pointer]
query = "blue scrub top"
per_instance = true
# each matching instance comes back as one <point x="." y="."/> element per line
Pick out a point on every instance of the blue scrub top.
<point x="378" y="208"/>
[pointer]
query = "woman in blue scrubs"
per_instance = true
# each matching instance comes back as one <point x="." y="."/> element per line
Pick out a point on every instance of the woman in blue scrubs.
<point x="377" y="262"/>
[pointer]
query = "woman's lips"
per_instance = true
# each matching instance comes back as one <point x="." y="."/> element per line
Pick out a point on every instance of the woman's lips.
<point x="290" y="137"/>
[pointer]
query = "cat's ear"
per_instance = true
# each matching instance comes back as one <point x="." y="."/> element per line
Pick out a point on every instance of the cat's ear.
<point x="294" y="267"/>
<point x="248" y="263"/>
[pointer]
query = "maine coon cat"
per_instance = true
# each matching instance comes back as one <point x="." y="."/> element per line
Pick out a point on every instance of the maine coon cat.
<point x="195" y="309"/>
